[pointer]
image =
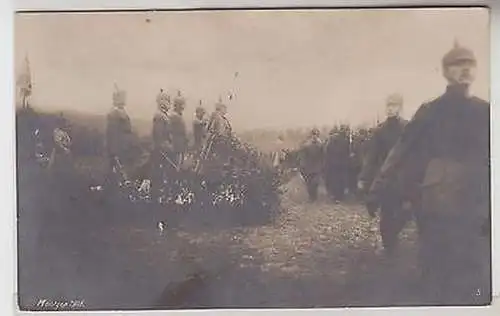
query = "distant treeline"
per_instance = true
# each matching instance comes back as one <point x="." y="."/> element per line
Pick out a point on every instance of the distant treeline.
<point x="87" y="132"/>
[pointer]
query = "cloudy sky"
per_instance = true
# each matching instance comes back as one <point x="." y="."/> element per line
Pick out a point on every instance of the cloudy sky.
<point x="295" y="68"/>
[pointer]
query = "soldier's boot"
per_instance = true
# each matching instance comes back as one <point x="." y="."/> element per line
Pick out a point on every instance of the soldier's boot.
<point x="389" y="231"/>
<point x="312" y="187"/>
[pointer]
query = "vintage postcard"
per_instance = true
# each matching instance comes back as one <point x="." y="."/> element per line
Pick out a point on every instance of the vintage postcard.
<point x="253" y="159"/>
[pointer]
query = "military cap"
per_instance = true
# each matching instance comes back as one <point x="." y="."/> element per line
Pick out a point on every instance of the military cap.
<point x="458" y="53"/>
<point x="220" y="104"/>
<point x="200" y="109"/>
<point x="119" y="96"/>
<point x="395" y="98"/>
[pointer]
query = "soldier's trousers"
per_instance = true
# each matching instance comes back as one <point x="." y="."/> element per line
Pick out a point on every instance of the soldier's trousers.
<point x="336" y="181"/>
<point x="455" y="248"/>
<point x="392" y="220"/>
<point x="312" y="180"/>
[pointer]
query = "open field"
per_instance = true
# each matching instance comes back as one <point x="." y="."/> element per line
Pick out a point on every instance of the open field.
<point x="112" y="255"/>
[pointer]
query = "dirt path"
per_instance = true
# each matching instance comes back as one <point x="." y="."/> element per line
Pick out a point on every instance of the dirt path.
<point x="314" y="255"/>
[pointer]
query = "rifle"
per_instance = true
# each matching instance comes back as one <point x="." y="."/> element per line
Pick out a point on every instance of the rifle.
<point x="204" y="152"/>
<point x="164" y="156"/>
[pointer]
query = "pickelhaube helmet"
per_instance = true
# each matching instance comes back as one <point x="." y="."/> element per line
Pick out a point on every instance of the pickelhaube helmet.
<point x="458" y="53"/>
<point x="200" y="109"/>
<point x="119" y="97"/>
<point x="179" y="100"/>
<point x="162" y="99"/>
<point x="220" y="104"/>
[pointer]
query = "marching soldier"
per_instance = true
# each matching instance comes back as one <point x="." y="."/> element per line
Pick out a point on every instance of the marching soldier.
<point x="118" y="134"/>
<point x="337" y="163"/>
<point x="392" y="217"/>
<point x="444" y="151"/>
<point x="311" y="160"/>
<point x="200" y="125"/>
<point x="178" y="132"/>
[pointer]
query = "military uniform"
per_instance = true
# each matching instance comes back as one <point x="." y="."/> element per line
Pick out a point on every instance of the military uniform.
<point x="200" y="124"/>
<point x="311" y="163"/>
<point x="443" y="156"/>
<point x="178" y="136"/>
<point x="337" y="164"/>
<point x="219" y="125"/>
<point x="118" y="133"/>
<point x="392" y="217"/>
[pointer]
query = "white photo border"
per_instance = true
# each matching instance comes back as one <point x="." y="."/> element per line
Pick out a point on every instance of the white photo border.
<point x="7" y="136"/>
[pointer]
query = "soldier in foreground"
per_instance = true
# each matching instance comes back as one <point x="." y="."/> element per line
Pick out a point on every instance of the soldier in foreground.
<point x="392" y="217"/>
<point x="118" y="134"/>
<point x="444" y="150"/>
<point x="311" y="163"/>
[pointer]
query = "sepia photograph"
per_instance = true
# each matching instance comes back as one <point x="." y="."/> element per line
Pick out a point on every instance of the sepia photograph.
<point x="243" y="159"/>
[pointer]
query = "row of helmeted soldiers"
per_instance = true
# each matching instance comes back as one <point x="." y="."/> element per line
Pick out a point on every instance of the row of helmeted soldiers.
<point x="346" y="160"/>
<point x="435" y="166"/>
<point x="171" y="144"/>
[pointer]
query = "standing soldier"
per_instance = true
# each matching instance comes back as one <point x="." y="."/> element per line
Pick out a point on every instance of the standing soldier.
<point x="118" y="134"/>
<point x="392" y="218"/>
<point x="337" y="163"/>
<point x="278" y="153"/>
<point x="219" y="125"/>
<point x="444" y="151"/>
<point x="311" y="160"/>
<point x="61" y="159"/>
<point x="161" y="140"/>
<point x="178" y="132"/>
<point x="200" y="124"/>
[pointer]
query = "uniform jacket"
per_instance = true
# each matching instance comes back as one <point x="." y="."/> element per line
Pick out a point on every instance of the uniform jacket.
<point x="382" y="141"/>
<point x="199" y="131"/>
<point x="311" y="155"/>
<point x="161" y="131"/>
<point x="446" y="142"/>
<point x="337" y="151"/>
<point x="178" y="133"/>
<point x="219" y="125"/>
<point x="118" y="132"/>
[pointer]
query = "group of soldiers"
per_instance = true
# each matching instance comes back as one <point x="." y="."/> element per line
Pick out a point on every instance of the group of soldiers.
<point x="171" y="145"/>
<point x="435" y="168"/>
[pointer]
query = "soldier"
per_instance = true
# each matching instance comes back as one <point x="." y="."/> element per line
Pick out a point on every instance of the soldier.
<point x="219" y="125"/>
<point x="161" y="141"/>
<point x="278" y="153"/>
<point x="118" y="134"/>
<point x="311" y="161"/>
<point x="392" y="217"/>
<point x="177" y="130"/>
<point x="200" y="124"/>
<point x="444" y="151"/>
<point x="61" y="159"/>
<point x="337" y="163"/>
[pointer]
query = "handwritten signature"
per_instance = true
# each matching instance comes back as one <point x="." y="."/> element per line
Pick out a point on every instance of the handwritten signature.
<point x="59" y="305"/>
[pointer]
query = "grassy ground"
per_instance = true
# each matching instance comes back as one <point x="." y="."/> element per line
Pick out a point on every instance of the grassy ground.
<point x="112" y="256"/>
